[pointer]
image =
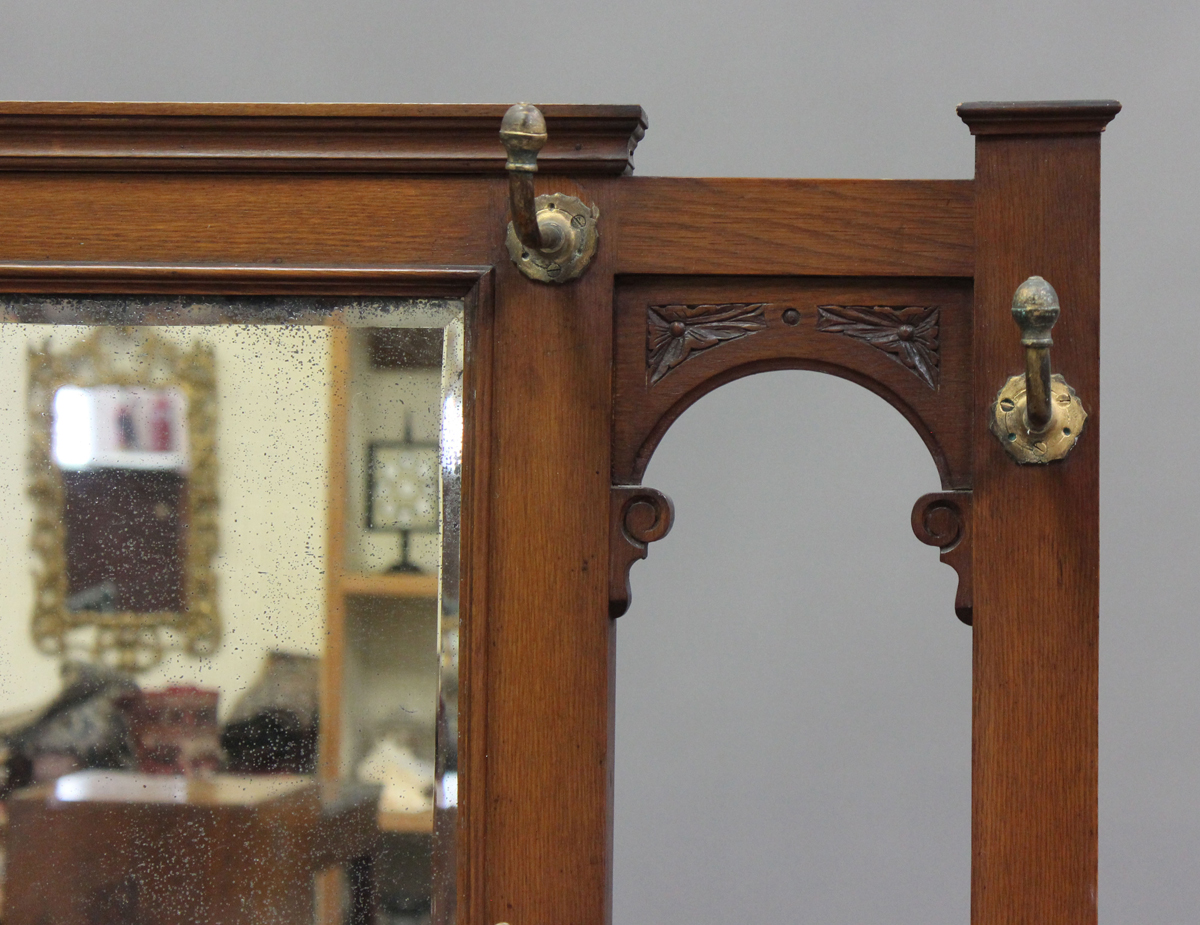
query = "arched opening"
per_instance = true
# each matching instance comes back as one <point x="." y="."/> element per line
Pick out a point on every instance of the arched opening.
<point x="793" y="715"/>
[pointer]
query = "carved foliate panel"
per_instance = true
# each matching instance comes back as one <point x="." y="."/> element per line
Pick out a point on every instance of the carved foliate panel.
<point x="678" y="338"/>
<point x="907" y="341"/>
<point x="676" y="331"/>
<point x="909" y="335"/>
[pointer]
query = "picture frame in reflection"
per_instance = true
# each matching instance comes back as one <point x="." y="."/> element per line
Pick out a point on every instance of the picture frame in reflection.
<point x="403" y="491"/>
<point x="403" y="486"/>
<point x="119" y="427"/>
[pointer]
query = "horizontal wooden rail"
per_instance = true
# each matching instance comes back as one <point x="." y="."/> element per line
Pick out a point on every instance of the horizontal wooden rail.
<point x="797" y="227"/>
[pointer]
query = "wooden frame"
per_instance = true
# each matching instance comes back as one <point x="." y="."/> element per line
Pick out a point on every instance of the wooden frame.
<point x="374" y="199"/>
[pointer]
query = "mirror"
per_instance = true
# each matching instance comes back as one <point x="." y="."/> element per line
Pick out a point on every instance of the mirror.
<point x="242" y="570"/>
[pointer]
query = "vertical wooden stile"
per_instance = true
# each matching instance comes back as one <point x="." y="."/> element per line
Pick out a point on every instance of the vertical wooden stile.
<point x="549" y="631"/>
<point x="1036" y="528"/>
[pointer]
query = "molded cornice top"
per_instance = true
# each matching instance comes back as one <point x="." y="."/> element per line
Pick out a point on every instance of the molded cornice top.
<point x="306" y="138"/>
<point x="1056" y="117"/>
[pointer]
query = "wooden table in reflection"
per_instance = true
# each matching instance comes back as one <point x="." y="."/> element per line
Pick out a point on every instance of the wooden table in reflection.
<point x="109" y="848"/>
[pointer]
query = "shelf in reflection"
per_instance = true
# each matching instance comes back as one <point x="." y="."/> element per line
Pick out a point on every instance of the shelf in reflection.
<point x="386" y="584"/>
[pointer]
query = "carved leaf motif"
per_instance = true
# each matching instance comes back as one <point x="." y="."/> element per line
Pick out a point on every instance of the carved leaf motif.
<point x="677" y="331"/>
<point x="908" y="335"/>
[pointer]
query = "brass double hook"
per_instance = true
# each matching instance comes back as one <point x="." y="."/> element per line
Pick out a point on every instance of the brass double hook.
<point x="551" y="238"/>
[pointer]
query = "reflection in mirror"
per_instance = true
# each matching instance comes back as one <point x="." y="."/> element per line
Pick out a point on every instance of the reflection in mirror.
<point x="124" y="477"/>
<point x="301" y="479"/>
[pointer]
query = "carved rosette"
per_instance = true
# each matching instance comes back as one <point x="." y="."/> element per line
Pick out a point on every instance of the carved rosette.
<point x="907" y="335"/>
<point x="677" y="332"/>
<point x="943" y="519"/>
<point x="637" y="517"/>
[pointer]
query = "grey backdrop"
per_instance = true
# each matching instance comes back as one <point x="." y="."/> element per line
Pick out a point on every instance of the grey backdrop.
<point x="793" y="702"/>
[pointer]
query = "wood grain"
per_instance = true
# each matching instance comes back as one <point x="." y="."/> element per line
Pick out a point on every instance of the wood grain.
<point x="474" y="603"/>
<point x="775" y="227"/>
<point x="752" y="227"/>
<point x="1054" y="117"/>
<point x="264" y="220"/>
<point x="305" y="137"/>
<point x="1036" y="546"/>
<point x="550" y="638"/>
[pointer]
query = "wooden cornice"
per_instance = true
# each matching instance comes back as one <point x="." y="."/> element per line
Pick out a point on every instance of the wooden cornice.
<point x="1058" y="117"/>
<point x="305" y="138"/>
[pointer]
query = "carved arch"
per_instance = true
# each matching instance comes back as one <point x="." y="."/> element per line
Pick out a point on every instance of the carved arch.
<point x="908" y="341"/>
<point x="948" y="467"/>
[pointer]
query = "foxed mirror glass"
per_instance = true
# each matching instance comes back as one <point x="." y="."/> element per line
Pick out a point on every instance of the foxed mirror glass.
<point x="230" y="605"/>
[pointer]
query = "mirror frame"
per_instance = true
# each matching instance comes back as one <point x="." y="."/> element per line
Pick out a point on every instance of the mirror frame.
<point x="460" y="877"/>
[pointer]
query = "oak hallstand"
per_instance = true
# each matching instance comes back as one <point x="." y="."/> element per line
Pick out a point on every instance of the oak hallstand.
<point x="903" y="286"/>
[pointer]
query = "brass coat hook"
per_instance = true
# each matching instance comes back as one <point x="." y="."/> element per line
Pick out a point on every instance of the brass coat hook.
<point x="551" y="238"/>
<point x="1037" y="417"/>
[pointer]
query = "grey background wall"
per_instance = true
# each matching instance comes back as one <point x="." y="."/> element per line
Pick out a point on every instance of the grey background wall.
<point x="793" y="702"/>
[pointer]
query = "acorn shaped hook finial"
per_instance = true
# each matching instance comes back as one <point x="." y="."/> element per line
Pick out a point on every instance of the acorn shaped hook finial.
<point x="523" y="132"/>
<point x="1035" y="310"/>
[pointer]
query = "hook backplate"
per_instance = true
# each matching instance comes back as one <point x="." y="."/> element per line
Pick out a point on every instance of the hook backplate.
<point x="1010" y="423"/>
<point x="569" y="227"/>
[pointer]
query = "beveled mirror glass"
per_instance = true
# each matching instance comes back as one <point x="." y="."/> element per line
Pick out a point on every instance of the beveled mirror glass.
<point x="235" y="526"/>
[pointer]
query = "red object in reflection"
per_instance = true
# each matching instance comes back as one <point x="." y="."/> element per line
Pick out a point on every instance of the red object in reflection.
<point x="175" y="730"/>
<point x="160" y="426"/>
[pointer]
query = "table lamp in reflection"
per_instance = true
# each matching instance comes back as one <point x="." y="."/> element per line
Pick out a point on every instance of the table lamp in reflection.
<point x="403" y="488"/>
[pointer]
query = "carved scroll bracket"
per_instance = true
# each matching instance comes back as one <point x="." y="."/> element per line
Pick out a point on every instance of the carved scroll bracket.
<point x="638" y="517"/>
<point x="943" y="519"/>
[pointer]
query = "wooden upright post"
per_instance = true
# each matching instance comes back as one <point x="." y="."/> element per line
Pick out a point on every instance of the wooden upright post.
<point x="1036" y="527"/>
<point x="550" y="636"/>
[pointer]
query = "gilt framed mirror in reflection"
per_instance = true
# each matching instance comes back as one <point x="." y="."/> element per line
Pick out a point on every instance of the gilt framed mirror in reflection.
<point x="123" y="478"/>
<point x="214" y="624"/>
